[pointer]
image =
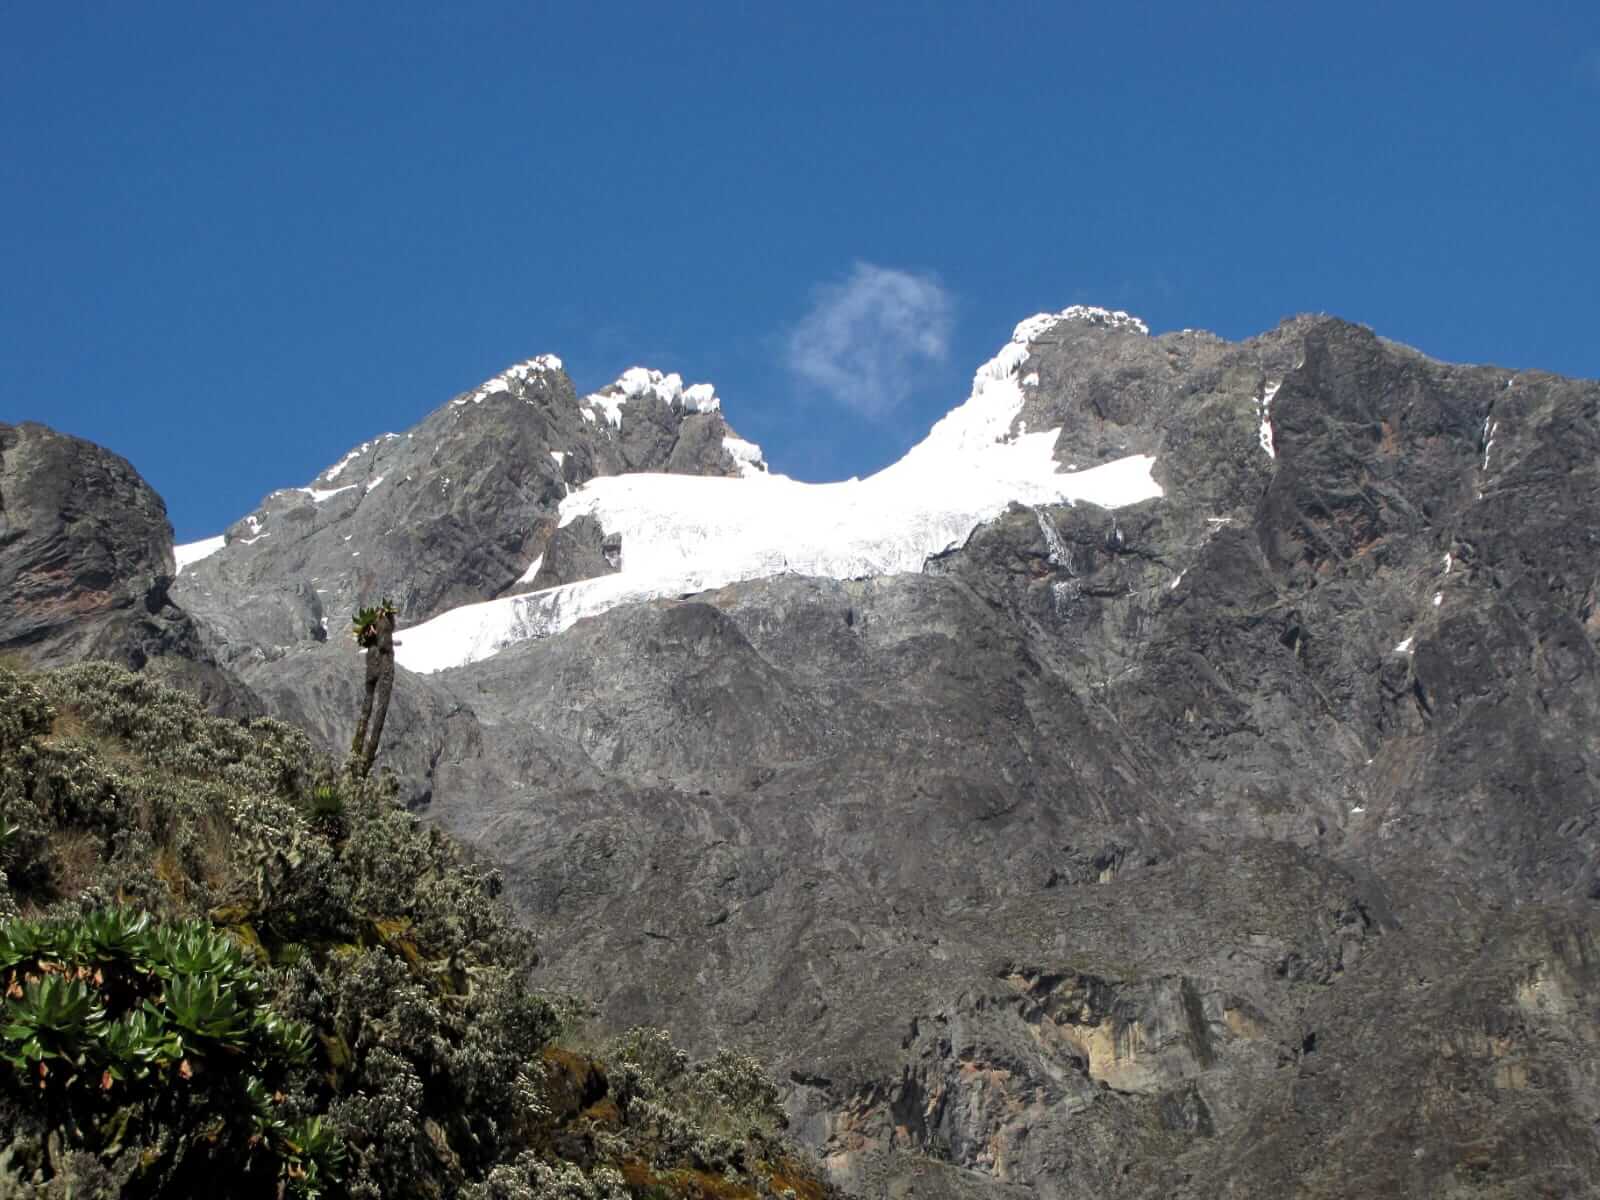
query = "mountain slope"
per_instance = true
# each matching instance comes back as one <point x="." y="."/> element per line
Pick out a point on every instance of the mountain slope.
<point x="226" y="965"/>
<point x="460" y="508"/>
<point x="1238" y="839"/>
<point x="873" y="817"/>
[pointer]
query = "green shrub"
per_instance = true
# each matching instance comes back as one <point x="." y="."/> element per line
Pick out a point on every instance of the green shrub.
<point x="110" y="1017"/>
<point x="25" y="710"/>
<point x="223" y="957"/>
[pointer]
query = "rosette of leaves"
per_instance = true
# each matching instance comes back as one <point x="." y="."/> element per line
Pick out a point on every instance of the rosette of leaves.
<point x="313" y="1156"/>
<point x="282" y="1039"/>
<point x="54" y="1020"/>
<point x="264" y="1115"/>
<point x="366" y="622"/>
<point x="108" y="1015"/>
<point x="326" y="801"/>
<point x="137" y="1045"/>
<point x="24" y="941"/>
<point x="207" y="1013"/>
<point x="193" y="948"/>
<point x="104" y="936"/>
<point x="118" y="934"/>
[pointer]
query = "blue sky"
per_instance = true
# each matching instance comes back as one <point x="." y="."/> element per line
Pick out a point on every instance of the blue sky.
<point x="237" y="240"/>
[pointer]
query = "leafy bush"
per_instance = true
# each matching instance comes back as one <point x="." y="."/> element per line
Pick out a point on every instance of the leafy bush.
<point x="113" y="1018"/>
<point x="224" y="957"/>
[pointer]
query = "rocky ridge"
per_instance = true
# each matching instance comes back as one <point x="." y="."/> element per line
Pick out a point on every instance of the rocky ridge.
<point x="461" y="508"/>
<point x="1240" y="840"/>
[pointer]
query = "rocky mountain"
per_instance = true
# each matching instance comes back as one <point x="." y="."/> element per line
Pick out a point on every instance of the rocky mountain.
<point x="458" y="509"/>
<point x="86" y="564"/>
<point x="1178" y="776"/>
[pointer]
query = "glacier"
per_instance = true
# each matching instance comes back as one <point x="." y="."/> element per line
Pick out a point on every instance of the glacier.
<point x="683" y="534"/>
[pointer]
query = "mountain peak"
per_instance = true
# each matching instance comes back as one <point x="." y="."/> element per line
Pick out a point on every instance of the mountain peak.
<point x="645" y="383"/>
<point x="1040" y="323"/>
<point x="1197" y="778"/>
<point x="639" y="537"/>
<point x="510" y="380"/>
<point x="459" y="508"/>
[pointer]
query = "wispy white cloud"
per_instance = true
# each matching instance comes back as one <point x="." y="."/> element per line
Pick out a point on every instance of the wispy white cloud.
<point x="866" y="339"/>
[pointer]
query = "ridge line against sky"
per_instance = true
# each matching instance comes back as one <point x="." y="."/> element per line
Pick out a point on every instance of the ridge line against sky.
<point x="238" y="243"/>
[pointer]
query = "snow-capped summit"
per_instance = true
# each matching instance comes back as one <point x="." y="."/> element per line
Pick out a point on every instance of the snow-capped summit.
<point x="680" y="534"/>
<point x="643" y="383"/>
<point x="509" y="378"/>
<point x="1106" y="317"/>
<point x="996" y="398"/>
<point x="562" y="507"/>
<point x="458" y="508"/>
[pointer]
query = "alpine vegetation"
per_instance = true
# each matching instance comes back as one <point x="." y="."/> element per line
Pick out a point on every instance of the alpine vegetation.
<point x="229" y="968"/>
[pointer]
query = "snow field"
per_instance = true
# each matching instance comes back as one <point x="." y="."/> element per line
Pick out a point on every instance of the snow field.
<point x="685" y="534"/>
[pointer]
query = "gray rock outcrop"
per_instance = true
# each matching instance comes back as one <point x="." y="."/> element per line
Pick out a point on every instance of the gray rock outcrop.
<point x="86" y="565"/>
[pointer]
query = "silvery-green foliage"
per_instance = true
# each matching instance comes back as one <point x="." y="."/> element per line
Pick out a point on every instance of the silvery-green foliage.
<point x="430" y="1060"/>
<point x="25" y="710"/>
<point x="170" y="732"/>
<point x="25" y="714"/>
<point x="72" y="787"/>
<point x="132" y="855"/>
<point x="708" y="1112"/>
<point x="502" y="1027"/>
<point x="23" y="856"/>
<point x="531" y="1178"/>
<point x="402" y="870"/>
<point x="741" y="1085"/>
<point x="379" y="1002"/>
<point x="647" y="1063"/>
<point x="382" y="1127"/>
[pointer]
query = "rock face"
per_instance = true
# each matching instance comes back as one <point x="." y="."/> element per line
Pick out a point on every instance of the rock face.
<point x="456" y="510"/>
<point x="86" y="563"/>
<point x="1240" y="841"/>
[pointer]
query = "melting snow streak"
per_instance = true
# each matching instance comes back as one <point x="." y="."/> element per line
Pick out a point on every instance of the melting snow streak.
<point x="1265" y="408"/>
<point x="193" y="552"/>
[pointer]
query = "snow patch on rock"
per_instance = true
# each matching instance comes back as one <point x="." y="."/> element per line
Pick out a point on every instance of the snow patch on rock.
<point x="192" y="552"/>
<point x="642" y="383"/>
<point x="1264" y="411"/>
<point x="746" y="454"/>
<point x="1106" y="318"/>
<point x="320" y="495"/>
<point x="337" y="469"/>
<point x="701" y="398"/>
<point x="685" y="534"/>
<point x="503" y="382"/>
